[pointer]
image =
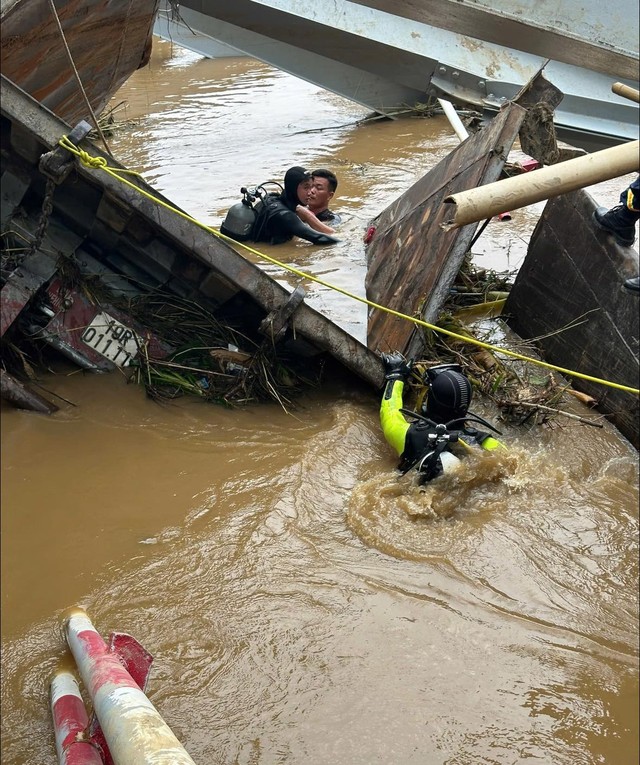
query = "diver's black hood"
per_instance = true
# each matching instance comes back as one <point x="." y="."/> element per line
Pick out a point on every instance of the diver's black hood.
<point x="449" y="396"/>
<point x="292" y="179"/>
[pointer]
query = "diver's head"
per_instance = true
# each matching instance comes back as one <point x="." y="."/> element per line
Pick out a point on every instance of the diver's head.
<point x="449" y="393"/>
<point x="297" y="182"/>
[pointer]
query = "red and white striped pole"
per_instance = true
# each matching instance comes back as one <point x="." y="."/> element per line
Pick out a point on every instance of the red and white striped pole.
<point x="70" y="722"/>
<point x="134" y="731"/>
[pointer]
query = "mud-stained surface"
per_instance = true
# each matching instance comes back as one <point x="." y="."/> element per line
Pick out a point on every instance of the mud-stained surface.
<point x="303" y="603"/>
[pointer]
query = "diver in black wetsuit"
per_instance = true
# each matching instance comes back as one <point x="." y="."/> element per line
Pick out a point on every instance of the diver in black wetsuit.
<point x="278" y="222"/>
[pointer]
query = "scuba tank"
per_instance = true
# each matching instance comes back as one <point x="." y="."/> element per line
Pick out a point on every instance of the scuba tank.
<point x="241" y="221"/>
<point x="449" y="462"/>
<point x="434" y="458"/>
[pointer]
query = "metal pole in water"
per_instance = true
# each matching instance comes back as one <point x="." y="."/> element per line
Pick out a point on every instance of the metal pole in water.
<point x="133" y="728"/>
<point x="70" y="721"/>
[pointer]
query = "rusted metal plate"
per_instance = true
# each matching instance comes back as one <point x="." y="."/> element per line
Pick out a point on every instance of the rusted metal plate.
<point x="573" y="275"/>
<point x="33" y="54"/>
<point x="20" y="287"/>
<point x="412" y="261"/>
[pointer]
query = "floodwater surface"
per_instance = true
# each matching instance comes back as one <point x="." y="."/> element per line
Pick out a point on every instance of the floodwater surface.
<point x="303" y="604"/>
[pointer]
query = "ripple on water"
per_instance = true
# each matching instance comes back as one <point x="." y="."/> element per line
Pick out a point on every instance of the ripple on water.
<point x="406" y="520"/>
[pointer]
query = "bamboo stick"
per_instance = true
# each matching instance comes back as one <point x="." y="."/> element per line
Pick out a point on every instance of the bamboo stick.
<point x="521" y="190"/>
<point x="572" y="416"/>
<point x="620" y="89"/>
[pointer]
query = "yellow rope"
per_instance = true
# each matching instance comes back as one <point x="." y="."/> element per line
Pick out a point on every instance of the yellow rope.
<point x="101" y="163"/>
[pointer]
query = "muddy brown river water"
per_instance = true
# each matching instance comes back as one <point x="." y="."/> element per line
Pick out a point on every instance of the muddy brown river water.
<point x="302" y="604"/>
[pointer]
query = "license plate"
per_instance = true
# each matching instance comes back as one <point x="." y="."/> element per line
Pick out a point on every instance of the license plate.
<point x="111" y="339"/>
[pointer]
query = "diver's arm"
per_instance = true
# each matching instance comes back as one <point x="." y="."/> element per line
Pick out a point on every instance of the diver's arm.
<point x="309" y="217"/>
<point x="394" y="425"/>
<point x="289" y="221"/>
<point x="483" y="439"/>
<point x="490" y="443"/>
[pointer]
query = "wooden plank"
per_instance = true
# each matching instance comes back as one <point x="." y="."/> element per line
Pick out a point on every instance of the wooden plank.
<point x="21" y="395"/>
<point x="412" y="261"/>
<point x="574" y="270"/>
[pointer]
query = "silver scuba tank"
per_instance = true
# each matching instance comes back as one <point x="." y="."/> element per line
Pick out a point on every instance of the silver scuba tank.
<point x="449" y="462"/>
<point x="238" y="223"/>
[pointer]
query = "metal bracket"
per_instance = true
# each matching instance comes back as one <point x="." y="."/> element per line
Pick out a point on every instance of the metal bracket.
<point x="274" y="325"/>
<point x="57" y="163"/>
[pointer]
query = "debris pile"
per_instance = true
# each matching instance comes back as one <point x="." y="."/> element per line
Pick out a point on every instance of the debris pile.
<point x="208" y="360"/>
<point x="522" y="392"/>
<point x="200" y="355"/>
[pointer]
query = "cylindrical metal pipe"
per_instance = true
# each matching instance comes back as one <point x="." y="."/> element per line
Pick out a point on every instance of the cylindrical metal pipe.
<point x="70" y="720"/>
<point x="133" y="728"/>
<point x="521" y="190"/>
<point x="452" y="115"/>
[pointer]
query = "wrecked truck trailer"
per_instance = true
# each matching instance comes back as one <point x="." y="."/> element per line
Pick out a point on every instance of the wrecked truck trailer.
<point x="111" y="278"/>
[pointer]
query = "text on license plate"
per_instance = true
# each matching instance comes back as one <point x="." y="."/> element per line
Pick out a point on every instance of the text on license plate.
<point x="111" y="339"/>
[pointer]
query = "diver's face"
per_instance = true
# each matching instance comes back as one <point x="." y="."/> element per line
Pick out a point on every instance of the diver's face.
<point x="303" y="191"/>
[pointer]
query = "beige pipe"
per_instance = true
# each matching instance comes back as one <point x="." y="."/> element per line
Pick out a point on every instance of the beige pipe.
<point x="626" y="92"/>
<point x="521" y="190"/>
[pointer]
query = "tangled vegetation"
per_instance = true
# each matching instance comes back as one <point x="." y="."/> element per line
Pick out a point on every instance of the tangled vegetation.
<point x="110" y="121"/>
<point x="209" y="359"/>
<point x="182" y="348"/>
<point x="524" y="393"/>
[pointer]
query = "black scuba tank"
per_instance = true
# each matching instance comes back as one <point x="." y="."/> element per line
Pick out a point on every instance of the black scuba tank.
<point x="239" y="221"/>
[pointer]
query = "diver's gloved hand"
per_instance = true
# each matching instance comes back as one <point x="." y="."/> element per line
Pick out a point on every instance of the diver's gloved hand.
<point x="396" y="367"/>
<point x="324" y="239"/>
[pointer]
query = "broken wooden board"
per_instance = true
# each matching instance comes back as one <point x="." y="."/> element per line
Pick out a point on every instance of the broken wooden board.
<point x="22" y="396"/>
<point x="412" y="261"/>
<point x="573" y="275"/>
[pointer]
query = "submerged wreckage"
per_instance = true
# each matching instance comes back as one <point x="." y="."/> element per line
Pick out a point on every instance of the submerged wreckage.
<point x="109" y="274"/>
<point x="110" y="278"/>
<point x="103" y="275"/>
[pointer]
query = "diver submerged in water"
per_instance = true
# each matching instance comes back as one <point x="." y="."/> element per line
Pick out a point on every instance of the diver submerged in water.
<point x="444" y="420"/>
<point x="272" y="218"/>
